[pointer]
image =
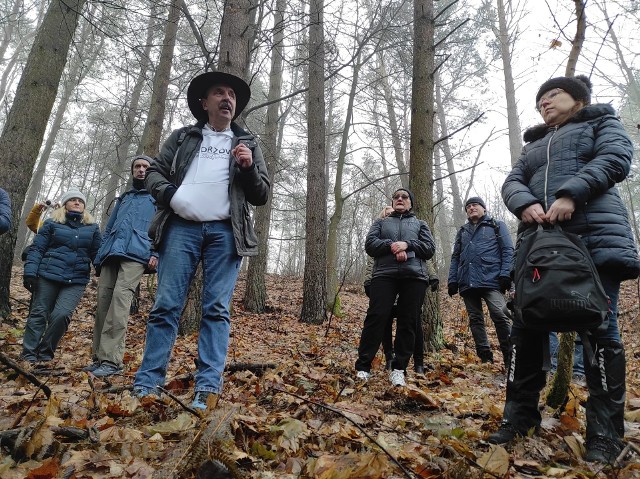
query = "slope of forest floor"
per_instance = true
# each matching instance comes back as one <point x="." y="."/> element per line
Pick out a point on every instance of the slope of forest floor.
<point x="302" y="416"/>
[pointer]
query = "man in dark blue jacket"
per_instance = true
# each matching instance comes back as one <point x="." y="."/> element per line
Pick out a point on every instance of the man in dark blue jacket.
<point x="124" y="256"/>
<point x="480" y="269"/>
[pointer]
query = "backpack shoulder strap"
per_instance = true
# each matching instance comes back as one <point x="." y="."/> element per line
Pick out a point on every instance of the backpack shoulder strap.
<point x="181" y="137"/>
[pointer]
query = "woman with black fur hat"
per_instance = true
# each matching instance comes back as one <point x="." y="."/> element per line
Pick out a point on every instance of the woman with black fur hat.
<point x="567" y="174"/>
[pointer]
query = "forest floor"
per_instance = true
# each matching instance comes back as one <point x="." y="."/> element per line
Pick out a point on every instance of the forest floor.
<point x="304" y="417"/>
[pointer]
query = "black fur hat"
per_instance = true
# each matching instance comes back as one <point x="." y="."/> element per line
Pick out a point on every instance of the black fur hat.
<point x="579" y="87"/>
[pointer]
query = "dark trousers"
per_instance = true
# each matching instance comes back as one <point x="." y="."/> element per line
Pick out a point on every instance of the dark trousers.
<point x="418" y="347"/>
<point x="410" y="294"/>
<point x="51" y="309"/>
<point x="605" y="379"/>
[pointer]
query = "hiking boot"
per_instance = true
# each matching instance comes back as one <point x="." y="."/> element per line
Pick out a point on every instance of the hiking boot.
<point x="579" y="380"/>
<point x="363" y="375"/>
<point x="92" y="367"/>
<point x="141" y="392"/>
<point x="106" y="369"/>
<point x="419" y="369"/>
<point x="388" y="365"/>
<point x="396" y="376"/>
<point x="204" y="399"/>
<point x="505" y="434"/>
<point x="602" y="449"/>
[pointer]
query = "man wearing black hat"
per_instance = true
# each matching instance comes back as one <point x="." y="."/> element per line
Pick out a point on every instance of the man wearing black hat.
<point x="480" y="269"/>
<point x="123" y="258"/>
<point x="203" y="180"/>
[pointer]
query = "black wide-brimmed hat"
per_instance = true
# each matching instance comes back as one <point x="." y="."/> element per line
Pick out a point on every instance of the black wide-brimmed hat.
<point x="200" y="84"/>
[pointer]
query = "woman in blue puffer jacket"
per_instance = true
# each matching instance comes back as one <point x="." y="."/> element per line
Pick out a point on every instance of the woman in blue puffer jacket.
<point x="57" y="272"/>
<point x="567" y="174"/>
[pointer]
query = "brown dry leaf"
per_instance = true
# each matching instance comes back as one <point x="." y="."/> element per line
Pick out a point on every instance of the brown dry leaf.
<point x="576" y="444"/>
<point x="361" y="414"/>
<point x="632" y="416"/>
<point x="292" y="432"/>
<point x="419" y="395"/>
<point x="123" y="406"/>
<point x="48" y="470"/>
<point x="183" y="422"/>
<point x="364" y="466"/>
<point x="555" y="44"/>
<point x="496" y="460"/>
<point x="569" y="423"/>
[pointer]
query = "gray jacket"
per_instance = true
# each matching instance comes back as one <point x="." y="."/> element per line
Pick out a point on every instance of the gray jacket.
<point x="169" y="168"/>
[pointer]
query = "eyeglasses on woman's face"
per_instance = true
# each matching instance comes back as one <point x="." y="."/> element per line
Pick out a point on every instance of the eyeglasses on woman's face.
<point x="548" y="97"/>
<point x="400" y="196"/>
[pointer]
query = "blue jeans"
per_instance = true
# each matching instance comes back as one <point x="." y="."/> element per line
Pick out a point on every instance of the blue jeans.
<point x="578" y="361"/>
<point x="185" y="244"/>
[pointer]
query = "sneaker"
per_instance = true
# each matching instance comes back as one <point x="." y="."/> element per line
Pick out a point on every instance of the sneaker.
<point x="396" y="377"/>
<point x="505" y="434"/>
<point x="602" y="449"/>
<point x="140" y="392"/>
<point x="106" y="369"/>
<point x="92" y="367"/>
<point x="363" y="375"/>
<point x="204" y="399"/>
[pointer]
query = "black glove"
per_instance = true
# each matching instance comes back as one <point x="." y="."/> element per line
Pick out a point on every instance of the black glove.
<point x="29" y="282"/>
<point x="505" y="283"/>
<point x="434" y="283"/>
<point x="452" y="288"/>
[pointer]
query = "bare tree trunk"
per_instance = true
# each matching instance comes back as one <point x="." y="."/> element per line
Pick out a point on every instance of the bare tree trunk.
<point x="578" y="40"/>
<point x="334" y="222"/>
<point x="422" y="145"/>
<point x="9" y="26"/>
<point x="126" y="133"/>
<point x="74" y="76"/>
<point x="25" y="126"/>
<point x="255" y="296"/>
<point x="398" y="149"/>
<point x="236" y="33"/>
<point x="315" y="265"/>
<point x="153" y="128"/>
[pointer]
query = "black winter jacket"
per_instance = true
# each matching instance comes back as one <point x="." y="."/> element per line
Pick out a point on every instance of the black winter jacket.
<point x="169" y="168"/>
<point x="63" y="252"/>
<point x="582" y="159"/>
<point x="400" y="227"/>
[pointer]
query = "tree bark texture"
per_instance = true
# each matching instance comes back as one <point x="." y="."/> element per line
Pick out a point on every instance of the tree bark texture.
<point x="26" y="122"/>
<point x="255" y="296"/>
<point x="155" y="119"/>
<point x="422" y="145"/>
<point x="236" y="34"/>
<point x="315" y="265"/>
<point x="578" y="40"/>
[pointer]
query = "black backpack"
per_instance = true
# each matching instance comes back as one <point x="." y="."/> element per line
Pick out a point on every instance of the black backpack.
<point x="557" y="286"/>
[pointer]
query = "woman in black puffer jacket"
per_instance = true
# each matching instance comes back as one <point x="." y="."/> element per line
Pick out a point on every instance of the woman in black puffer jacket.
<point x="400" y="244"/>
<point x="56" y="272"/>
<point x="567" y="174"/>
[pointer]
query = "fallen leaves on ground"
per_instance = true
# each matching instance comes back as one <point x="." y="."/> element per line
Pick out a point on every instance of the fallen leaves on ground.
<point x="307" y="417"/>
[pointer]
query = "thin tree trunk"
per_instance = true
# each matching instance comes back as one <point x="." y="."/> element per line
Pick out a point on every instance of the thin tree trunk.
<point x="578" y="40"/>
<point x="422" y="145"/>
<point x="315" y="265"/>
<point x="153" y="128"/>
<point x="255" y="297"/>
<point x="26" y="122"/>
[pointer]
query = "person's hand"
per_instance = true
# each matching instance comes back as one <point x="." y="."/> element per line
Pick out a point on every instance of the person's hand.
<point x="561" y="210"/>
<point x="242" y="154"/>
<point x="505" y="283"/>
<point x="434" y="283"/>
<point x="29" y="282"/>
<point x="401" y="256"/>
<point x="533" y="214"/>
<point x="452" y="288"/>
<point x="153" y="263"/>
<point x="399" y="246"/>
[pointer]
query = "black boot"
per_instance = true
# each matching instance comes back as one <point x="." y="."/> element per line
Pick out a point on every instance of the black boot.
<point x="605" y="406"/>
